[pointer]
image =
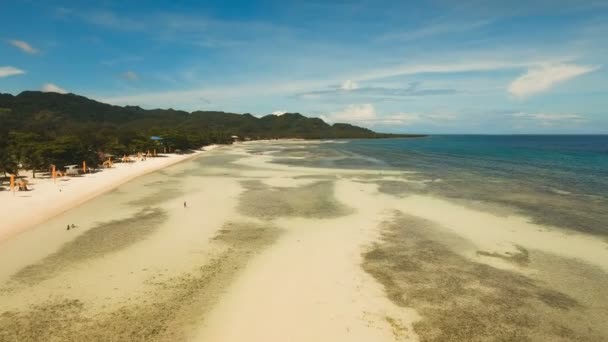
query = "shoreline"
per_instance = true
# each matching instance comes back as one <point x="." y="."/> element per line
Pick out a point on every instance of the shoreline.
<point x="51" y="199"/>
<point x="294" y="253"/>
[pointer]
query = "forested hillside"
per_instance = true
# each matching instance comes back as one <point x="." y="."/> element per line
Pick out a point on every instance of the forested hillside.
<point x="38" y="128"/>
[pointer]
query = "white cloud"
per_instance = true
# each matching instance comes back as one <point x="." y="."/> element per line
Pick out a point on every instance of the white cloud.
<point x="558" y="117"/>
<point x="551" y="119"/>
<point x="366" y="114"/>
<point x="448" y="67"/>
<point x="279" y="112"/>
<point x="6" y="71"/>
<point x="355" y="113"/>
<point x="130" y="75"/>
<point x="23" y="46"/>
<point x="53" y="88"/>
<point x="540" y="79"/>
<point x="349" y="85"/>
<point x="402" y="119"/>
<point x="188" y="98"/>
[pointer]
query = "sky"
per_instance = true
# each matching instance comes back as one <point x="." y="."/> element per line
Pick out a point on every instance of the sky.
<point x="467" y="66"/>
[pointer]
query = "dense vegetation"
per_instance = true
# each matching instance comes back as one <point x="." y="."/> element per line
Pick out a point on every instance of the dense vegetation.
<point x="38" y="129"/>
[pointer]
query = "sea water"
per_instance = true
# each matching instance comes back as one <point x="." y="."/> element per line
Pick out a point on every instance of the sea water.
<point x="559" y="180"/>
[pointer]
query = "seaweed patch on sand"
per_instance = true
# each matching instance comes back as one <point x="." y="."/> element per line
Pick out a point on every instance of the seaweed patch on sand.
<point x="574" y="212"/>
<point x="106" y="237"/>
<point x="314" y="200"/>
<point x="163" y="313"/>
<point x="463" y="300"/>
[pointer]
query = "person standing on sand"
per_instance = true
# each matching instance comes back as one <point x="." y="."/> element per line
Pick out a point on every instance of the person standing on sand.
<point x="185" y="204"/>
<point x="68" y="227"/>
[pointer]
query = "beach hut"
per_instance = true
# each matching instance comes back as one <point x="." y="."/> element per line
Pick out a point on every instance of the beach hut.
<point x="158" y="141"/>
<point x="71" y="170"/>
<point x="108" y="163"/>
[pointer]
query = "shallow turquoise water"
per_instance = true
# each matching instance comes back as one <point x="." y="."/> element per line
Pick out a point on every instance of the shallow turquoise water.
<point x="555" y="180"/>
<point x="577" y="164"/>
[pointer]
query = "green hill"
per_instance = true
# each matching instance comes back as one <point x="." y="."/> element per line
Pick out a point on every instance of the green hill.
<point x="64" y="128"/>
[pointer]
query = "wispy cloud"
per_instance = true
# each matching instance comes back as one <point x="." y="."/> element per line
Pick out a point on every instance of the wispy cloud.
<point x="349" y="85"/>
<point x="191" y="29"/>
<point x="6" y="71"/>
<point x="479" y="65"/>
<point x="434" y="29"/>
<point x="333" y="84"/>
<point x="130" y="75"/>
<point x="366" y="115"/>
<point x="187" y="97"/>
<point x="111" y="20"/>
<point x="350" y="89"/>
<point x="540" y="79"/>
<point x="550" y="119"/>
<point x="53" y="88"/>
<point x="122" y="60"/>
<point x="23" y="46"/>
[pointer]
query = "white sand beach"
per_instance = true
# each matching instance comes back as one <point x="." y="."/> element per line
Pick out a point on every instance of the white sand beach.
<point x="265" y="251"/>
<point x="48" y="198"/>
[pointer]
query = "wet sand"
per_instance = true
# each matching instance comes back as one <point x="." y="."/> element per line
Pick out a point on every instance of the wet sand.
<point x="269" y="251"/>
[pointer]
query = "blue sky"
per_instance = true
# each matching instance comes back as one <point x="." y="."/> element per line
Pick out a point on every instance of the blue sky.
<point x="469" y="66"/>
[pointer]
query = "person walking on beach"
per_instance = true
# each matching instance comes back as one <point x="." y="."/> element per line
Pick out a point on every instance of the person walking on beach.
<point x="68" y="227"/>
<point x="185" y="204"/>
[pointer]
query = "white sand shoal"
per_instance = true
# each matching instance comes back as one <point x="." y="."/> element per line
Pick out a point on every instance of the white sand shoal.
<point x="310" y="285"/>
<point x="48" y="198"/>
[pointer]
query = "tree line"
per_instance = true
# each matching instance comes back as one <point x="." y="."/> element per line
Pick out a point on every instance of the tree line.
<point x="36" y="152"/>
<point x="39" y="129"/>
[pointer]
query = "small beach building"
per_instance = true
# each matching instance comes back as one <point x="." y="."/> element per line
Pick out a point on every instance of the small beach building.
<point x="158" y="140"/>
<point x="72" y="170"/>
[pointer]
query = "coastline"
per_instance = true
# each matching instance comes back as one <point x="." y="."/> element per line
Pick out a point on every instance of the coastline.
<point x="48" y="199"/>
<point x="286" y="252"/>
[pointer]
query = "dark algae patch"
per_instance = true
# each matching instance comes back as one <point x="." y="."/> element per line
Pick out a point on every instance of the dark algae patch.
<point x="463" y="300"/>
<point x="247" y="235"/>
<point x="315" y="200"/>
<point x="104" y="238"/>
<point x="163" y="313"/>
<point x="574" y="211"/>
